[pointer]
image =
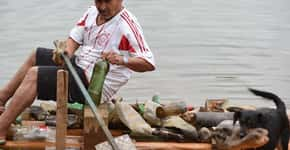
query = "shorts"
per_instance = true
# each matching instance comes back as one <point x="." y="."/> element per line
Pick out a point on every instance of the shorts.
<point x="47" y="73"/>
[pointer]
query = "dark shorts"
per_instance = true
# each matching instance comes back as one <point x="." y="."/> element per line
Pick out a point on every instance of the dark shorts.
<point x="46" y="81"/>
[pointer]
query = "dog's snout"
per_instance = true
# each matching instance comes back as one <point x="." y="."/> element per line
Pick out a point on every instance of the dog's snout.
<point x="242" y="134"/>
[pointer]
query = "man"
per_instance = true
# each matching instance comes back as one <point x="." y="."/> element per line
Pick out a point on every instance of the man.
<point x="106" y="31"/>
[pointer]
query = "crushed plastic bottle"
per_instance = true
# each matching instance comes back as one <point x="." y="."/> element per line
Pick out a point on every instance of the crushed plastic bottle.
<point x="31" y="133"/>
<point x="97" y="81"/>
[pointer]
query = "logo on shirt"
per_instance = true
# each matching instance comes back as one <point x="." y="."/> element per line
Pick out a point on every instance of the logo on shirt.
<point x="102" y="40"/>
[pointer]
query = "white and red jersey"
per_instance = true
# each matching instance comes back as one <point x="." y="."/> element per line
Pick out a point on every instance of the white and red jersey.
<point x="122" y="34"/>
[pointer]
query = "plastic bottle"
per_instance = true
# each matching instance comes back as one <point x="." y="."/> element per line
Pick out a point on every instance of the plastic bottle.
<point x="101" y="69"/>
<point x="156" y="98"/>
<point x="171" y="109"/>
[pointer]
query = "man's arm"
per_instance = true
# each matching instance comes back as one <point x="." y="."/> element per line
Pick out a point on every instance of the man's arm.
<point x="137" y="64"/>
<point x="71" y="46"/>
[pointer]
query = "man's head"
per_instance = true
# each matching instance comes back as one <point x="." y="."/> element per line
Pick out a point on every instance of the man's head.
<point x="108" y="8"/>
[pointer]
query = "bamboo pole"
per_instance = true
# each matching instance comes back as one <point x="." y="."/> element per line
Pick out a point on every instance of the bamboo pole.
<point x="61" y="111"/>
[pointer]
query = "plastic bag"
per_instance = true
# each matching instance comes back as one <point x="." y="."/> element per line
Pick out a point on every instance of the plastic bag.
<point x="123" y="142"/>
<point x="31" y="133"/>
<point x="150" y="113"/>
<point x="132" y="119"/>
<point x="188" y="130"/>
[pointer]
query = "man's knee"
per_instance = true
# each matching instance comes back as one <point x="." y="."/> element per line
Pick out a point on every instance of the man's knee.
<point x="31" y="74"/>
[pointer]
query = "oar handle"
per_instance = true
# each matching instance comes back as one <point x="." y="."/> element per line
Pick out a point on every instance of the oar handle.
<point x="90" y="101"/>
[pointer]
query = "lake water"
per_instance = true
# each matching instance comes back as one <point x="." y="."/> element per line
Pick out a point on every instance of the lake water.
<point x="203" y="48"/>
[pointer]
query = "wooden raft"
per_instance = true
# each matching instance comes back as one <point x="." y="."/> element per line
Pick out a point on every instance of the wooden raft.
<point x="91" y="134"/>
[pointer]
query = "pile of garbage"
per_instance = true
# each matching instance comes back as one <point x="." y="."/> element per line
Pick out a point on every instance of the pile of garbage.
<point x="154" y="121"/>
<point x="176" y="121"/>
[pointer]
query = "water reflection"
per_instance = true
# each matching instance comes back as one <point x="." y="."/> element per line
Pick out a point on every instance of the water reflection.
<point x="204" y="49"/>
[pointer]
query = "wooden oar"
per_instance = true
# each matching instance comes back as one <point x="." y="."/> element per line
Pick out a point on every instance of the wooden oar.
<point x="90" y="101"/>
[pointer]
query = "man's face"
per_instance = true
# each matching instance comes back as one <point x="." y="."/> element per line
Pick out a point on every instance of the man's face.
<point x="108" y="8"/>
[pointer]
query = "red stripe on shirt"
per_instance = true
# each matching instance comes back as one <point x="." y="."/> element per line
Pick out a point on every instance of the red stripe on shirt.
<point x="135" y="34"/>
<point x="138" y="35"/>
<point x="83" y="22"/>
<point x="134" y="30"/>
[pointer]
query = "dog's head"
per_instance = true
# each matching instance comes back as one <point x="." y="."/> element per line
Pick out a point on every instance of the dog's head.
<point x="248" y="119"/>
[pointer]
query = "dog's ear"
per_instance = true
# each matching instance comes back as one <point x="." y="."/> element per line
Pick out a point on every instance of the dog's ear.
<point x="260" y="117"/>
<point x="237" y="116"/>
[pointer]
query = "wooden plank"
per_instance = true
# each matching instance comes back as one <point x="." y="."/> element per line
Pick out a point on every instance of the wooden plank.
<point x="26" y="145"/>
<point x="61" y="111"/>
<point x="172" y="146"/>
<point x="34" y="145"/>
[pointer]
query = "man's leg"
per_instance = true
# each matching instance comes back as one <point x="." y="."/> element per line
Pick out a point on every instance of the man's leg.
<point x="8" y="90"/>
<point x="23" y="97"/>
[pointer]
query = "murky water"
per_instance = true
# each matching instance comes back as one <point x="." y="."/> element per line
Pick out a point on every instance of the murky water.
<point x="203" y="48"/>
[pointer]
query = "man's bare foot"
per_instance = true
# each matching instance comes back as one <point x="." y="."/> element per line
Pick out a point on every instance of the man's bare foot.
<point x="3" y="134"/>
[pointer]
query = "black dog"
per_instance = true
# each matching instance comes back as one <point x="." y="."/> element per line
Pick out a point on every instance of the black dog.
<point x="274" y="120"/>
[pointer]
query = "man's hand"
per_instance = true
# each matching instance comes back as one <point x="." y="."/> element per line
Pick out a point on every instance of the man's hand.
<point x="60" y="47"/>
<point x="113" y="58"/>
<point x="56" y="57"/>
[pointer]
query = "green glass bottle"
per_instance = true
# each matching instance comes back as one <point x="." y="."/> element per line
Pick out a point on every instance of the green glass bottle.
<point x="100" y="71"/>
<point x="156" y="98"/>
